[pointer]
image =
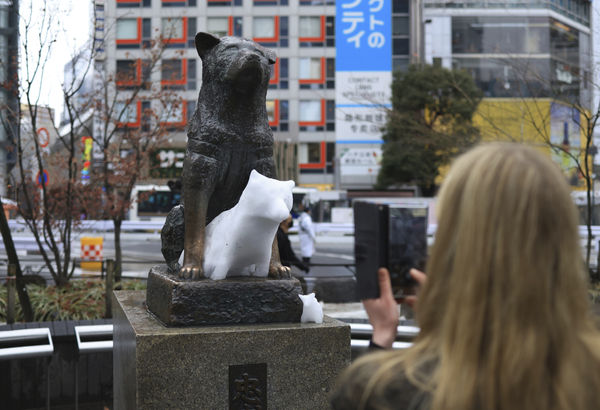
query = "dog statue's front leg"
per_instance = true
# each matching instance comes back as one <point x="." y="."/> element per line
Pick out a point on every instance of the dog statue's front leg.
<point x="199" y="179"/>
<point x="195" y="221"/>
<point x="276" y="269"/>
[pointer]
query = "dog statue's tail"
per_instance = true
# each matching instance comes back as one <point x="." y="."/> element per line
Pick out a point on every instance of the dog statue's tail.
<point x="172" y="238"/>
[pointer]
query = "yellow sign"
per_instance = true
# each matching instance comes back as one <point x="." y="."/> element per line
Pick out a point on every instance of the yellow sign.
<point x="91" y="253"/>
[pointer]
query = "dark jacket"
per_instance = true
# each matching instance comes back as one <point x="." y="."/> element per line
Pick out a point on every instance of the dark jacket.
<point x="286" y="253"/>
<point x="399" y="393"/>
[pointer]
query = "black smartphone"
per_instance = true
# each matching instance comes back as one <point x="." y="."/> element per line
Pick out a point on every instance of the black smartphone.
<point x="391" y="235"/>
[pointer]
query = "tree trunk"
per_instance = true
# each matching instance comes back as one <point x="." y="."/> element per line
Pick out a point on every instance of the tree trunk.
<point x="118" y="254"/>
<point x="13" y="259"/>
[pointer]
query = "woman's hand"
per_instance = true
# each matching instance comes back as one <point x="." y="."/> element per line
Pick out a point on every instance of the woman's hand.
<point x="383" y="312"/>
<point x="420" y="278"/>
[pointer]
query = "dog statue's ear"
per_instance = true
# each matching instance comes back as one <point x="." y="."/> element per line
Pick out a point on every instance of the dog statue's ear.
<point x="204" y="42"/>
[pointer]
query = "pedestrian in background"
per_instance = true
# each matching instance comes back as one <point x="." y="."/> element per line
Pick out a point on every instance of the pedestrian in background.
<point x="504" y="315"/>
<point x="306" y="234"/>
<point x="286" y="253"/>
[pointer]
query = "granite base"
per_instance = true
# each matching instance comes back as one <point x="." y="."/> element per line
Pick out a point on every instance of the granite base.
<point x="237" y="300"/>
<point x="277" y="366"/>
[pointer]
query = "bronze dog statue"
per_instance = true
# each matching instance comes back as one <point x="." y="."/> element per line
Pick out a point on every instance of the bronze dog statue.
<point x="228" y="136"/>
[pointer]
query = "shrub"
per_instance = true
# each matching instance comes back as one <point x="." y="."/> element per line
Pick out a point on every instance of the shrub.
<point x="78" y="300"/>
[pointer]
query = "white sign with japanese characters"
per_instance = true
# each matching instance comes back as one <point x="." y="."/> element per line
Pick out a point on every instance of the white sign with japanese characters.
<point x="363" y="69"/>
<point x="360" y="161"/>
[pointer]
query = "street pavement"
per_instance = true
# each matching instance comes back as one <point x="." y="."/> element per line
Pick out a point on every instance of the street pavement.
<point x="334" y="254"/>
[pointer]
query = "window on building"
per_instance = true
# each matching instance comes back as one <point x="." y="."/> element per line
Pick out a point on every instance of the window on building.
<point x="313" y="158"/>
<point x="311" y="112"/>
<point x="133" y="3"/>
<point x="174" y="113"/>
<point x="522" y="78"/>
<point x="330" y="73"/>
<point x="174" y="73"/>
<point x="127" y="30"/>
<point x="219" y="26"/>
<point x="310" y="27"/>
<point x="279" y="74"/>
<point x="519" y="35"/>
<point x="400" y="6"/>
<point x="270" y="2"/>
<point x="127" y="114"/>
<point x="222" y="3"/>
<point x="400" y="46"/>
<point x="310" y="68"/>
<point x="330" y="160"/>
<point x="172" y="27"/>
<point x="3" y="16"/>
<point x="178" y="3"/>
<point x="264" y="27"/>
<point x="316" y="2"/>
<point x="316" y="31"/>
<point x="273" y="112"/>
<point x="277" y="111"/>
<point x="400" y="26"/>
<point x="191" y="73"/>
<point x="271" y="31"/>
<point x="191" y="32"/>
<point x="133" y="32"/>
<point x="316" y="73"/>
<point x="309" y="152"/>
<point x="132" y="74"/>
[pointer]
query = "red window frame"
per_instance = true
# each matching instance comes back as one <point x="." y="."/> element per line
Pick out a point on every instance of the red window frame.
<point x="230" y="26"/>
<point x="319" y="39"/>
<point x="137" y="40"/>
<point x="179" y="40"/>
<point x="275" y="30"/>
<point x="319" y="123"/>
<point x="138" y="117"/>
<point x="275" y="121"/>
<point x="181" y="80"/>
<point x="275" y="79"/>
<point x="320" y="80"/>
<point x="317" y="165"/>
<point x="138" y="76"/>
<point x="183" y="121"/>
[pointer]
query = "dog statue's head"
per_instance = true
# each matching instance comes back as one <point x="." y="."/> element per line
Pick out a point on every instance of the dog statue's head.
<point x="240" y="62"/>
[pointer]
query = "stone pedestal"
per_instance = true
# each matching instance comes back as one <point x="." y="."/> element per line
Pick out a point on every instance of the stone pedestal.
<point x="238" y="300"/>
<point x="276" y="366"/>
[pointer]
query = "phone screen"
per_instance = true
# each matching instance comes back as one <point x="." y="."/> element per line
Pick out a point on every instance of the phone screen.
<point x="407" y="244"/>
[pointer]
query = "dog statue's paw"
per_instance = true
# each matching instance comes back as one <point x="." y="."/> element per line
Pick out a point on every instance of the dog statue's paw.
<point x="192" y="272"/>
<point x="278" y="271"/>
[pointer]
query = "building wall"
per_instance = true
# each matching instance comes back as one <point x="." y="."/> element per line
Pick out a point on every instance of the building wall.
<point x="524" y="60"/>
<point x="8" y="74"/>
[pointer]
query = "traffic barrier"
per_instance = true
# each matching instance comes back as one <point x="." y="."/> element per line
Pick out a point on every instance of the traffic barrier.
<point x="91" y="253"/>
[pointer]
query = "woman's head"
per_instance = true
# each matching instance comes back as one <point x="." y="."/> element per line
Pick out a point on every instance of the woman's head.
<point x="505" y="272"/>
<point x="507" y="239"/>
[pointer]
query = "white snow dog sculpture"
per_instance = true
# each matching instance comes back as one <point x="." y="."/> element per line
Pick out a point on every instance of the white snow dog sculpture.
<point x="239" y="240"/>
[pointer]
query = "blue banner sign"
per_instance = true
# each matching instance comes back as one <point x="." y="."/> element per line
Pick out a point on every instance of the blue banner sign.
<point x="363" y="33"/>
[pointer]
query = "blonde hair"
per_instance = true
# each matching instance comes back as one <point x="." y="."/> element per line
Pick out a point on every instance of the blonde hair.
<point x="504" y="315"/>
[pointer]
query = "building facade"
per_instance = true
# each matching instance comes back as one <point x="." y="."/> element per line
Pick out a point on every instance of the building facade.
<point x="523" y="49"/>
<point x="533" y="61"/>
<point x="514" y="50"/>
<point x="301" y="101"/>
<point x="9" y="102"/>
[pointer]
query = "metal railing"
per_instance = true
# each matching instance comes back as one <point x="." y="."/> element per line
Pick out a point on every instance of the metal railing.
<point x="361" y="334"/>
<point x="27" y="343"/>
